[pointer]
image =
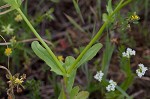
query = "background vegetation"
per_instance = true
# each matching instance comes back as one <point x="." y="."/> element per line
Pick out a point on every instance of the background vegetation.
<point x="67" y="26"/>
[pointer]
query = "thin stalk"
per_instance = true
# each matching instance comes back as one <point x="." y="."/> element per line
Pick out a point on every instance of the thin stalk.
<point x="7" y="47"/>
<point x="96" y="37"/>
<point x="8" y="62"/>
<point x="3" y="67"/>
<point x="146" y="11"/>
<point x="41" y="40"/>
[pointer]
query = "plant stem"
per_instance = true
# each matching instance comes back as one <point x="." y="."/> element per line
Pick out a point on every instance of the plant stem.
<point x="41" y="40"/>
<point x="65" y="87"/>
<point x="96" y="37"/>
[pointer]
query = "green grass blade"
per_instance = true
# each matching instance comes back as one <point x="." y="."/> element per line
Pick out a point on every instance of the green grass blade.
<point x="76" y="5"/>
<point x="123" y="92"/>
<point x="72" y="21"/>
<point x="107" y="56"/>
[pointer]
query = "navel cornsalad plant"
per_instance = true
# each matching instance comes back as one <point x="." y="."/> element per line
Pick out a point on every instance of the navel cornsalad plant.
<point x="68" y="68"/>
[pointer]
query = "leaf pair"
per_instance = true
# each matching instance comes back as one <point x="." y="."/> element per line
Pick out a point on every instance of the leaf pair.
<point x="45" y="56"/>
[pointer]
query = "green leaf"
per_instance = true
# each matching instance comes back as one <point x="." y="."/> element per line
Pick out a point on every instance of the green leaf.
<point x="109" y="7"/>
<point x="90" y="53"/>
<point x="62" y="94"/>
<point x="68" y="62"/>
<point x="105" y="17"/>
<point x="74" y="92"/>
<point x="82" y="95"/>
<point x="45" y="56"/>
<point x="109" y="11"/>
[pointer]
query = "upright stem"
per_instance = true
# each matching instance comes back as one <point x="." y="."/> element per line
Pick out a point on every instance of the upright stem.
<point x="41" y="40"/>
<point x="96" y="37"/>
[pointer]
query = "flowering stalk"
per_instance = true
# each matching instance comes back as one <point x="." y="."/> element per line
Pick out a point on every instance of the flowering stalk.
<point x="96" y="37"/>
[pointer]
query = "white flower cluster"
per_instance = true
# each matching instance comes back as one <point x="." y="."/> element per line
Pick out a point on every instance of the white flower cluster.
<point x="111" y="86"/>
<point x="141" y="71"/>
<point x="129" y="52"/>
<point x="99" y="76"/>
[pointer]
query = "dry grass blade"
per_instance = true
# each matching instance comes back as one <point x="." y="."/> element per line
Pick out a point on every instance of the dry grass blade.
<point x="4" y="7"/>
<point x="28" y="40"/>
<point x="4" y="12"/>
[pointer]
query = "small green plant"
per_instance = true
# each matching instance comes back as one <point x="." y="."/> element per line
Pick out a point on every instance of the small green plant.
<point x="69" y="67"/>
<point x="34" y="88"/>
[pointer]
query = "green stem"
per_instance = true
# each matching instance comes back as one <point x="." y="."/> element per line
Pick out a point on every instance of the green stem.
<point x="96" y="37"/>
<point x="41" y="40"/>
<point x="65" y="88"/>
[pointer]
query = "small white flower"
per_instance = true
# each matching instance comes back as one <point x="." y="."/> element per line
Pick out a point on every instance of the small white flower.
<point x="111" y="86"/>
<point x="133" y="52"/>
<point x="124" y="54"/>
<point x="129" y="52"/>
<point x="112" y="82"/>
<point x="99" y="76"/>
<point x="141" y="71"/>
